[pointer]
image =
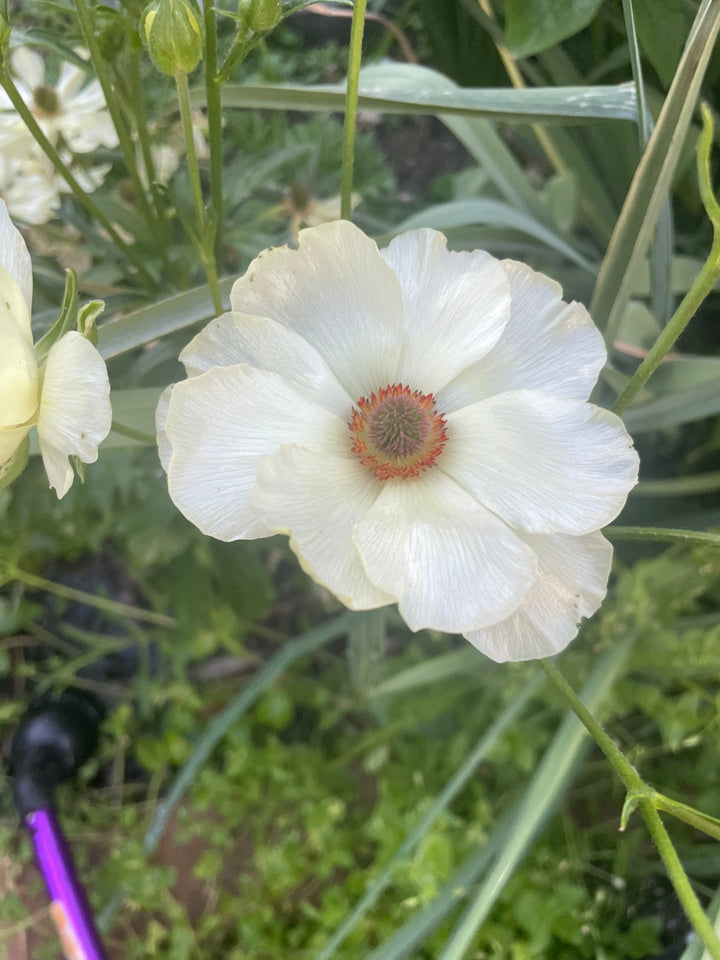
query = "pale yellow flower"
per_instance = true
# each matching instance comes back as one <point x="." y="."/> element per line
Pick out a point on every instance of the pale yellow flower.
<point x="67" y="398"/>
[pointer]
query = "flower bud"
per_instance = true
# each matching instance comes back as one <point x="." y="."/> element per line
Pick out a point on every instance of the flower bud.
<point x="173" y="34"/>
<point x="259" y="16"/>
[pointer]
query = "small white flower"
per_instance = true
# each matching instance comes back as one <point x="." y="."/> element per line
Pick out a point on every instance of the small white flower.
<point x="31" y="191"/>
<point x="72" y="112"/>
<point x="417" y="422"/>
<point x="67" y="398"/>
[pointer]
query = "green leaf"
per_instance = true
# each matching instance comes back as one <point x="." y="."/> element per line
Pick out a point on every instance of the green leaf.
<point x="535" y="25"/>
<point x="408" y="88"/>
<point x="459" y="213"/>
<point x="66" y="320"/>
<point x="155" y="321"/>
<point x="661" y="26"/>
<point x="653" y="178"/>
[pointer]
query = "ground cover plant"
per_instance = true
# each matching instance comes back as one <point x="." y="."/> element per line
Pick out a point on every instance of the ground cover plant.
<point x="318" y="570"/>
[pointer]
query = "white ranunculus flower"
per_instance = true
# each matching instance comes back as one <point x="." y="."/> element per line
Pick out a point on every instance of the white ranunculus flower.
<point x="67" y="398"/>
<point x="417" y="422"/>
<point x="72" y="112"/>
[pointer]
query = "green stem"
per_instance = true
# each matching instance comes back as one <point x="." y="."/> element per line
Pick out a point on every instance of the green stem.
<point x="703" y="285"/>
<point x="662" y="534"/>
<point x="238" y="52"/>
<point x="183" y="94"/>
<point x="695" y="484"/>
<point x="620" y="764"/>
<point x="351" y="102"/>
<point x="108" y="88"/>
<point x="640" y="795"/>
<point x="138" y="102"/>
<point x="79" y="596"/>
<point x="138" y="435"/>
<point x="679" y="879"/>
<point x="213" y="89"/>
<point x="205" y="247"/>
<point x="51" y="153"/>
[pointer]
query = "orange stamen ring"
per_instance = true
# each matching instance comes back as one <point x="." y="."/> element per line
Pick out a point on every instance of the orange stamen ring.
<point x="397" y="433"/>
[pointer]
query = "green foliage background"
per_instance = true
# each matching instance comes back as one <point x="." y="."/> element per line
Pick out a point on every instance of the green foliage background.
<point x="308" y="796"/>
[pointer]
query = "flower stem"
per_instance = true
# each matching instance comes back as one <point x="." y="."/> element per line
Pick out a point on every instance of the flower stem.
<point x="80" y="195"/>
<point x="133" y="434"/>
<point x="205" y="243"/>
<point x="213" y="88"/>
<point x="641" y="796"/>
<point x="351" y="101"/>
<point x="663" y="534"/>
<point x="115" y="111"/>
<point x="101" y="603"/>
<point x="183" y="94"/>
<point x="138" y="103"/>
<point x="704" y="282"/>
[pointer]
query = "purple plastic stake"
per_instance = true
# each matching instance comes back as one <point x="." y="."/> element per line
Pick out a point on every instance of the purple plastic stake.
<point x="68" y="903"/>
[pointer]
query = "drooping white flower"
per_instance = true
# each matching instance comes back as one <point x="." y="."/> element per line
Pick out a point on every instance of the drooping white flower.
<point x="67" y="398"/>
<point x="417" y="422"/>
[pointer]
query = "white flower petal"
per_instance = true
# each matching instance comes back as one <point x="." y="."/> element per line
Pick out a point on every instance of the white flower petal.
<point x="544" y="464"/>
<point x="75" y="414"/>
<point x="571" y="583"/>
<point x="18" y="367"/>
<point x="28" y="66"/>
<point x="338" y="293"/>
<point x="161" y="411"/>
<point x="15" y="259"/>
<point x="220" y="425"/>
<point x="10" y="440"/>
<point x="317" y="500"/>
<point x="456" y="307"/>
<point x="452" y="564"/>
<point x="548" y="345"/>
<point x="267" y="345"/>
<point x="71" y="80"/>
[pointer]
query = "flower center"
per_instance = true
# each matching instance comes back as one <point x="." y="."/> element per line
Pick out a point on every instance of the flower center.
<point x="397" y="433"/>
<point x="46" y="102"/>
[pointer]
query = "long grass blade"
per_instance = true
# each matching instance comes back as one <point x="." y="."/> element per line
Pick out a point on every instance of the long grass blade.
<point x="653" y="178"/>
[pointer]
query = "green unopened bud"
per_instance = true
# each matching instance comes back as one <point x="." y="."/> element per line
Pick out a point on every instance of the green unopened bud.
<point x="173" y="34"/>
<point x="259" y="16"/>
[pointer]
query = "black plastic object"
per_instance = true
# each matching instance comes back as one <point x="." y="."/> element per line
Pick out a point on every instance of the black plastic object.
<point x="55" y="737"/>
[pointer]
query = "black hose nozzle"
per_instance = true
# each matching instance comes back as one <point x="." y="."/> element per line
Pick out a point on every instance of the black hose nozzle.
<point x="55" y="737"/>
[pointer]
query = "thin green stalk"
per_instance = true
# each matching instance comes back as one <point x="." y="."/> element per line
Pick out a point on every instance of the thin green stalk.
<point x="183" y="94"/>
<point x="640" y="796"/>
<point x="138" y="105"/>
<point x="132" y="434"/>
<point x="703" y="285"/>
<point x="205" y="248"/>
<point x="126" y="144"/>
<point x="704" y="282"/>
<point x="80" y="195"/>
<point x="679" y="486"/>
<point x="79" y="596"/>
<point x="213" y="89"/>
<point x="620" y="764"/>
<point x="679" y="879"/>
<point x="351" y="102"/>
<point x="663" y="534"/>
